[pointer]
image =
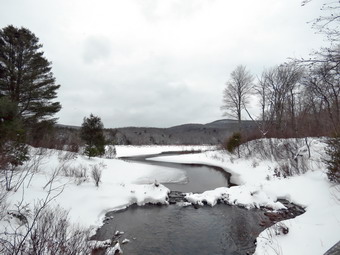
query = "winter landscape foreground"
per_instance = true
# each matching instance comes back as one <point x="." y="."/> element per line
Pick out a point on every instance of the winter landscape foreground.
<point x="262" y="177"/>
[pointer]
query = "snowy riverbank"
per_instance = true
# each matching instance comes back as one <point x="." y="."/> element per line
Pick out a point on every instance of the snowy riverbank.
<point x="124" y="183"/>
<point x="314" y="232"/>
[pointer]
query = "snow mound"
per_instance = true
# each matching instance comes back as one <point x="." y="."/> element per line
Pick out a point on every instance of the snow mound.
<point x="248" y="197"/>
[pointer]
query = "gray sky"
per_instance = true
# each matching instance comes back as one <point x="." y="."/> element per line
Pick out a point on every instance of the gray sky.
<point x="159" y="62"/>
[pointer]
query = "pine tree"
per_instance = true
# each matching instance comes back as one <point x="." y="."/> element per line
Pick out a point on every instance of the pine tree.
<point x="26" y="77"/>
<point x="92" y="133"/>
<point x="13" y="150"/>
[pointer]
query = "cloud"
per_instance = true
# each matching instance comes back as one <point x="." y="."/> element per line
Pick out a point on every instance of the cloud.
<point x="96" y="48"/>
<point x="155" y="10"/>
<point x="159" y="63"/>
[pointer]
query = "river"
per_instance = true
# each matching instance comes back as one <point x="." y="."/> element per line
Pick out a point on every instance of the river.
<point x="176" y="229"/>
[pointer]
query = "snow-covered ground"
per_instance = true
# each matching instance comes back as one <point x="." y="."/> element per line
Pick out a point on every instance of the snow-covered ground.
<point x="313" y="232"/>
<point x="129" y="150"/>
<point x="123" y="183"/>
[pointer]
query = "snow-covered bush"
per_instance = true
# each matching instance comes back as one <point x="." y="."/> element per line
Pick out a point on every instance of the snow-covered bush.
<point x="293" y="156"/>
<point x="66" y="155"/>
<point x="47" y="231"/>
<point x="96" y="174"/>
<point x="79" y="173"/>
<point x="110" y="152"/>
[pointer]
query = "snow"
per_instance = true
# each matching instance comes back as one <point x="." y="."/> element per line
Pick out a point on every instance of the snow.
<point x="118" y="233"/>
<point x="94" y="244"/>
<point x="132" y="150"/>
<point x="125" y="241"/>
<point x="313" y="232"/>
<point x="114" y="250"/>
<point x="248" y="197"/>
<point x="124" y="183"/>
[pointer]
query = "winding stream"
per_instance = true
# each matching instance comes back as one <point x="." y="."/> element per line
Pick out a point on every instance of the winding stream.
<point x="199" y="177"/>
<point x="175" y="229"/>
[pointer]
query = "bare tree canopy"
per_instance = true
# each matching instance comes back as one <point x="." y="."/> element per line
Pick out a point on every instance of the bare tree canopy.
<point x="328" y="24"/>
<point x="235" y="95"/>
<point x="282" y="90"/>
<point x="322" y="84"/>
<point x="322" y="79"/>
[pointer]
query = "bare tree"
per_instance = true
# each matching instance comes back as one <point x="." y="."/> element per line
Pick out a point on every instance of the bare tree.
<point x="235" y="95"/>
<point x="278" y="91"/>
<point x="328" y="24"/>
<point x="261" y="92"/>
<point x="322" y="84"/>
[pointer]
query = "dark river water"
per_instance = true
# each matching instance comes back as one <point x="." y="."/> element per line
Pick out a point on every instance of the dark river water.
<point x="199" y="177"/>
<point x="175" y="229"/>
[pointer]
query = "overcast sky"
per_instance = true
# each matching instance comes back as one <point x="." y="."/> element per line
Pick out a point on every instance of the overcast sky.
<point x="159" y="62"/>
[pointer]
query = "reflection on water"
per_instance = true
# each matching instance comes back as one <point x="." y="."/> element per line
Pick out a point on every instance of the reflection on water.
<point x="173" y="229"/>
<point x="221" y="229"/>
<point x="199" y="177"/>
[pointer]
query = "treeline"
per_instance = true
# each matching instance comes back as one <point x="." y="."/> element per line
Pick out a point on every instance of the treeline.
<point x="296" y="99"/>
<point x="299" y="98"/>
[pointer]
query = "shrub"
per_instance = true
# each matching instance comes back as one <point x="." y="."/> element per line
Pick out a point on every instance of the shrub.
<point x="96" y="174"/>
<point x="93" y="151"/>
<point x="333" y="162"/>
<point x="233" y="142"/>
<point x="49" y="233"/>
<point x="110" y="152"/>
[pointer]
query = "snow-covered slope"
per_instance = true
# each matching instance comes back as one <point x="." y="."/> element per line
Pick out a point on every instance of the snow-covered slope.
<point x="124" y="183"/>
<point x="121" y="185"/>
<point x="313" y="232"/>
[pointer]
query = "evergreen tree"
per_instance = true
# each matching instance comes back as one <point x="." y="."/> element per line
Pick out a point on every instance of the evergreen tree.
<point x="26" y="77"/>
<point x="92" y="133"/>
<point x="333" y="162"/>
<point x="234" y="142"/>
<point x="13" y="150"/>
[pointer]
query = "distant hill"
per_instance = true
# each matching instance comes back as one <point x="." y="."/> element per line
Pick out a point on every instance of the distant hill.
<point x="194" y="134"/>
<point x="187" y="134"/>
